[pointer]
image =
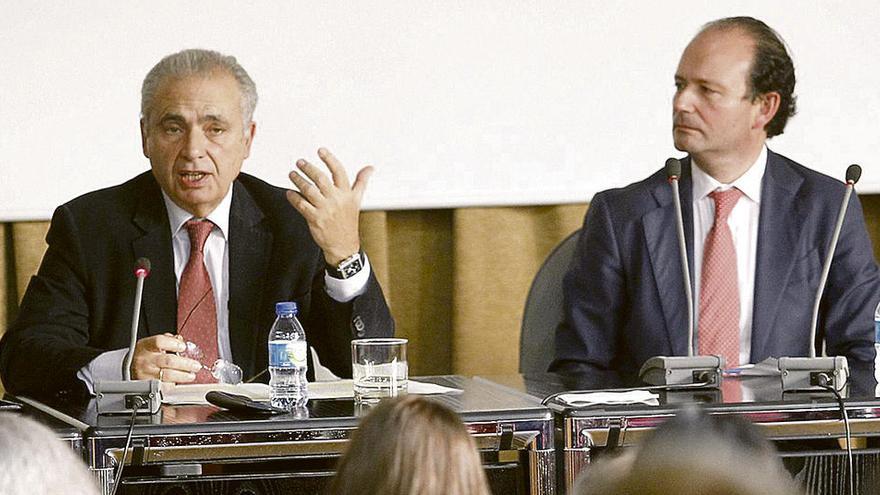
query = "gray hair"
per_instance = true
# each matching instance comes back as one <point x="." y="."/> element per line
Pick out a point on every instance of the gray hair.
<point x="193" y="62"/>
<point x="34" y="460"/>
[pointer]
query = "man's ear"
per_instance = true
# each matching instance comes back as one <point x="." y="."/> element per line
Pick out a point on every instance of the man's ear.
<point x="250" y="130"/>
<point x="144" y="139"/>
<point x="767" y="106"/>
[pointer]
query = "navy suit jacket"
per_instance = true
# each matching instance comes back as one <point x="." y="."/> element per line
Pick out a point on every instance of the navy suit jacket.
<point x="624" y="296"/>
<point x="80" y="302"/>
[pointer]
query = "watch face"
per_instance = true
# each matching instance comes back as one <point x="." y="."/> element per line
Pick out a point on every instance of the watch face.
<point x="351" y="268"/>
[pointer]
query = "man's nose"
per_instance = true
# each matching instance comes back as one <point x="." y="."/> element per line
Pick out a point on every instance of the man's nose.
<point x="682" y="101"/>
<point x="194" y="147"/>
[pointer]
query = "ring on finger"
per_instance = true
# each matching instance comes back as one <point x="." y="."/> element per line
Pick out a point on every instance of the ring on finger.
<point x="161" y="374"/>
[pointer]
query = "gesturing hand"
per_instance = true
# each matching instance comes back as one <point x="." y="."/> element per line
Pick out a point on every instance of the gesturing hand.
<point x="331" y="207"/>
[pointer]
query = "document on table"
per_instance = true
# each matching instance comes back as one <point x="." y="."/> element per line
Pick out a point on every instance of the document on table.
<point x="767" y="367"/>
<point x="336" y="389"/>
<point x="581" y="399"/>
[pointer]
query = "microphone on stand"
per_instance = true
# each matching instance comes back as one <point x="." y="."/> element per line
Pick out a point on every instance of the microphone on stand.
<point x="690" y="369"/>
<point x="141" y="271"/>
<point x="816" y="373"/>
<point x="115" y="397"/>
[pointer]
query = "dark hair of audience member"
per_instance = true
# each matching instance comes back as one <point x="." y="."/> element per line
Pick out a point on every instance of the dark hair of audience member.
<point x="35" y="460"/>
<point x="410" y="445"/>
<point x="694" y="454"/>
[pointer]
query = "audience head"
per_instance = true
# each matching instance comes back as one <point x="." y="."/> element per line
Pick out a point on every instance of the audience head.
<point x="694" y="454"/>
<point x="34" y="460"/>
<point x="410" y="445"/>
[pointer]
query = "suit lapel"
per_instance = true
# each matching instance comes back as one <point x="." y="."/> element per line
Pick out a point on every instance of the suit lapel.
<point x="250" y="243"/>
<point x="160" y="291"/>
<point x="778" y="231"/>
<point x="663" y="248"/>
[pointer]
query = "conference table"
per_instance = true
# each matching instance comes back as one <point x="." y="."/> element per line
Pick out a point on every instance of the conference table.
<point x="202" y="449"/>
<point x="806" y="428"/>
<point x="527" y="447"/>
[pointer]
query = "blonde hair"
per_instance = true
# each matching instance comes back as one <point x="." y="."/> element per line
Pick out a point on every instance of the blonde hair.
<point x="34" y="460"/>
<point x="410" y="446"/>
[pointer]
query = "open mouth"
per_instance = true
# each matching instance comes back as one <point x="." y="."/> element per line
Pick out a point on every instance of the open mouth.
<point x="192" y="178"/>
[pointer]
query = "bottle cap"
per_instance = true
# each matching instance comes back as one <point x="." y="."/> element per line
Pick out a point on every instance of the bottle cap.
<point x="285" y="308"/>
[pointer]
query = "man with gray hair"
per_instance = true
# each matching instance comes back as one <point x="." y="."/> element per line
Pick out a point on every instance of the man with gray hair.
<point x="224" y="246"/>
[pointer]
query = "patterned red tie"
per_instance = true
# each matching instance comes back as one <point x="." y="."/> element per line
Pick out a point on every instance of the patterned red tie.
<point x="719" y="291"/>
<point x="196" y="309"/>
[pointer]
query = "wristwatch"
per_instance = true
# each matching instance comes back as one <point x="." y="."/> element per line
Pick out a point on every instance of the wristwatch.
<point x="347" y="268"/>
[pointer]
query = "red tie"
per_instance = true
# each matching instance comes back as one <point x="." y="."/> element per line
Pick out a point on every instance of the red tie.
<point x="196" y="309"/>
<point x="719" y="292"/>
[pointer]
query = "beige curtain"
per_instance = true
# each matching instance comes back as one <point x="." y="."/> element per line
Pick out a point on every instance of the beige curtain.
<point x="456" y="280"/>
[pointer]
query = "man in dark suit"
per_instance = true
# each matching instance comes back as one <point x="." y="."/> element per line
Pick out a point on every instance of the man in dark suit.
<point x="263" y="245"/>
<point x="756" y="256"/>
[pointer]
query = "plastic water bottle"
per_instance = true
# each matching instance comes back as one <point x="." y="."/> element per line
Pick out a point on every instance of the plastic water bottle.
<point x="877" y="346"/>
<point x="287" y="359"/>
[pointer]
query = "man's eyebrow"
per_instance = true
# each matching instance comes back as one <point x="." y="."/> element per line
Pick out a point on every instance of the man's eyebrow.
<point x="212" y="118"/>
<point x="698" y="80"/>
<point x="172" y="117"/>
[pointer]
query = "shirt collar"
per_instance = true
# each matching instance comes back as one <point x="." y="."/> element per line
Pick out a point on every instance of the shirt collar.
<point x="749" y="183"/>
<point x="177" y="216"/>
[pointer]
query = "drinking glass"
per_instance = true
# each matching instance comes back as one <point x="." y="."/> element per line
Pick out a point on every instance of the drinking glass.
<point x="379" y="368"/>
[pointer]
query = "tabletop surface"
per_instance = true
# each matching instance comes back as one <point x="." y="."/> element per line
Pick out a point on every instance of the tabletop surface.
<point x="478" y="400"/>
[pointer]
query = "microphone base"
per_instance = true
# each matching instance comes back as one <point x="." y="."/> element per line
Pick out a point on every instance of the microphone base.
<point x="118" y="397"/>
<point x="804" y="374"/>
<point x="683" y="370"/>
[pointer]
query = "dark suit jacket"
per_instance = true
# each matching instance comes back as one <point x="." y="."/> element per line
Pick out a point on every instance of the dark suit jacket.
<point x="80" y="302"/>
<point x="624" y="293"/>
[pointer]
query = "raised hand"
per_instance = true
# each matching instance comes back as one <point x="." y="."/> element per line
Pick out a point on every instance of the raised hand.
<point x="330" y="205"/>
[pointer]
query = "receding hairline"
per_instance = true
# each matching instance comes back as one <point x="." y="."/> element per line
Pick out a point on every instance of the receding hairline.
<point x="194" y="63"/>
<point x="215" y="73"/>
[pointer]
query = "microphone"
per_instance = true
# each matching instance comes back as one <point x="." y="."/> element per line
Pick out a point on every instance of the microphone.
<point x="141" y="271"/>
<point x="115" y="397"/>
<point x="817" y="373"/>
<point x="680" y="370"/>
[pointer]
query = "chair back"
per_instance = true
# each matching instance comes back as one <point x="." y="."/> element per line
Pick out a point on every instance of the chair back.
<point x="543" y="311"/>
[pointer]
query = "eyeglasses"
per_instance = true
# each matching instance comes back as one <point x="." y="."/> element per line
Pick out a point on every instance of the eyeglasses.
<point x="223" y="370"/>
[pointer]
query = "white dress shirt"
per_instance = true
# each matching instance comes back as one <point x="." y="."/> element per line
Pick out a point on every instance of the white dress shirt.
<point x="743" y="223"/>
<point x="108" y="365"/>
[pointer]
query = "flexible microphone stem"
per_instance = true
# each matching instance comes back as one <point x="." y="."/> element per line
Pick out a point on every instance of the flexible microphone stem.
<point x="692" y="370"/>
<point x="130" y="396"/>
<point x="826" y="267"/>
<point x="818" y="373"/>
<point x="135" y="318"/>
<point x="688" y="292"/>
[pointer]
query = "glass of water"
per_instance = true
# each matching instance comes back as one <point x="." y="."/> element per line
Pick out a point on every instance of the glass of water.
<point x="379" y="369"/>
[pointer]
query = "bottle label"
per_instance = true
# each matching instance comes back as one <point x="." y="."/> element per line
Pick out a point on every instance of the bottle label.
<point x="287" y="354"/>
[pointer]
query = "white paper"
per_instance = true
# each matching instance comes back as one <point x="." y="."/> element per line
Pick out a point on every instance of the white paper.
<point x="337" y="389"/>
<point x="195" y="394"/>
<point x="629" y="397"/>
<point x="767" y="367"/>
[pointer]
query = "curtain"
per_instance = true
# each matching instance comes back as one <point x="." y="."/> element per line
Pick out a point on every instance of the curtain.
<point x="456" y="279"/>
